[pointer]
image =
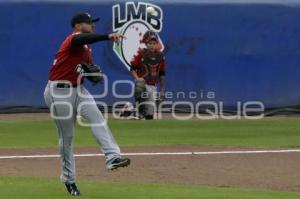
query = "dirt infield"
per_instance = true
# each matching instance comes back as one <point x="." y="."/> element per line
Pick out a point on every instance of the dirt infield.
<point x="278" y="171"/>
<point x="24" y="116"/>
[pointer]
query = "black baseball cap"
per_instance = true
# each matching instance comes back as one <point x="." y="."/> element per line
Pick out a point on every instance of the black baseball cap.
<point x="82" y="17"/>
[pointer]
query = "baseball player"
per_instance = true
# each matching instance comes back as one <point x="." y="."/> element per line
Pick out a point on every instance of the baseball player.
<point x="65" y="102"/>
<point x="148" y="69"/>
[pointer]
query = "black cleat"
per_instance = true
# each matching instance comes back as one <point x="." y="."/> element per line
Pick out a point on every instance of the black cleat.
<point x="118" y="162"/>
<point x="72" y="189"/>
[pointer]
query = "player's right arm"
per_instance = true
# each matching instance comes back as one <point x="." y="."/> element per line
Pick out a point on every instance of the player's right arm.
<point x="135" y="75"/>
<point x="136" y="62"/>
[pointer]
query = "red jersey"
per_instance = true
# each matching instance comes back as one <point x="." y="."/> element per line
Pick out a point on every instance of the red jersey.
<point x="67" y="58"/>
<point x="149" y="65"/>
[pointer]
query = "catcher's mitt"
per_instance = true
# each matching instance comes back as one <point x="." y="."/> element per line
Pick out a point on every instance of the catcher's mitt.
<point x="91" y="71"/>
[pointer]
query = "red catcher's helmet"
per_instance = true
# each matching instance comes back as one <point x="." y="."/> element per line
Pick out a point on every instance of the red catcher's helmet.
<point x="149" y="35"/>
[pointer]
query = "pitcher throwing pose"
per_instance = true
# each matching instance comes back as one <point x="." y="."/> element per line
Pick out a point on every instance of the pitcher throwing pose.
<point x="65" y="102"/>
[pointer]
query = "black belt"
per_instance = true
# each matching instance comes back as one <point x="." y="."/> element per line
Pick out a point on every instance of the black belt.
<point x="63" y="85"/>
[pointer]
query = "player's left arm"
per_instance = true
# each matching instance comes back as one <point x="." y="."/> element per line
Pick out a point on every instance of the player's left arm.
<point x="136" y="63"/>
<point x="162" y="86"/>
<point x="162" y="75"/>
<point x="90" y="38"/>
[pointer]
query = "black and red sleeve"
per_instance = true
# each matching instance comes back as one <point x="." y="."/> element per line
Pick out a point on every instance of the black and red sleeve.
<point x="88" y="38"/>
<point x="162" y="67"/>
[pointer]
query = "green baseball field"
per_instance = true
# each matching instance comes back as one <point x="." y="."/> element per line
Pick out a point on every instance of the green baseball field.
<point x="216" y="159"/>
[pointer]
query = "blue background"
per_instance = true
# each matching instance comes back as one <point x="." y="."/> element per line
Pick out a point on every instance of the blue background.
<point x="239" y="51"/>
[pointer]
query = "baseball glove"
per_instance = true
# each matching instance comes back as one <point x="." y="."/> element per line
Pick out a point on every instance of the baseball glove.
<point x="91" y="71"/>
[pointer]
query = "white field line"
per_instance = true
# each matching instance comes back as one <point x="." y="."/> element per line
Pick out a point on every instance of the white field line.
<point x="161" y="153"/>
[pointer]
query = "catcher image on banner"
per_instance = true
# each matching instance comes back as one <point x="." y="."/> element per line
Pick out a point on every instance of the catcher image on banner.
<point x="148" y="70"/>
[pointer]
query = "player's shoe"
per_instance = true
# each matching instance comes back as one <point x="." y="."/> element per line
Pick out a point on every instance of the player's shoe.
<point x="118" y="162"/>
<point x="72" y="189"/>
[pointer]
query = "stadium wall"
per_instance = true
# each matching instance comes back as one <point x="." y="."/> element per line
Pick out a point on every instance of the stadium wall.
<point x="221" y="51"/>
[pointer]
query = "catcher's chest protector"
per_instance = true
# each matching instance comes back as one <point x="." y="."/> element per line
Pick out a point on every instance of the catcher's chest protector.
<point x="151" y="65"/>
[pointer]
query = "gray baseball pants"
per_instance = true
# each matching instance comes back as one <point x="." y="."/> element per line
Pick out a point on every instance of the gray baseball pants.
<point x="65" y="104"/>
